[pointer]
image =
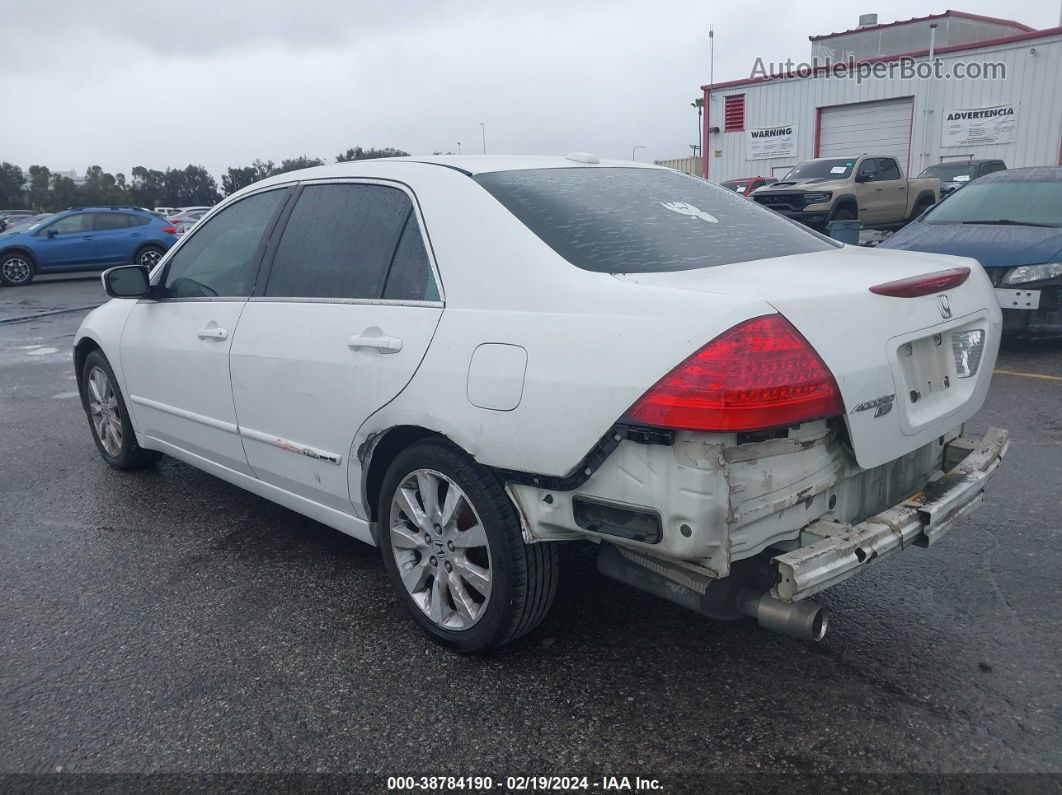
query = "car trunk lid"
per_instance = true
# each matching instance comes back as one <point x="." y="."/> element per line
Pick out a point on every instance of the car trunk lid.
<point x="908" y="368"/>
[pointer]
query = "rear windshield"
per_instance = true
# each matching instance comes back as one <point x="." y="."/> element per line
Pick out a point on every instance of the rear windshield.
<point x="639" y="220"/>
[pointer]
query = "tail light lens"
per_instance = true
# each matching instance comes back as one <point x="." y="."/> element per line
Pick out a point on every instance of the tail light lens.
<point x="760" y="374"/>
<point x="170" y="230"/>
<point x="926" y="284"/>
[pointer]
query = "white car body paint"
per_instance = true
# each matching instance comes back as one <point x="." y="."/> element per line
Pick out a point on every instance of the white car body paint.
<point x="307" y="405"/>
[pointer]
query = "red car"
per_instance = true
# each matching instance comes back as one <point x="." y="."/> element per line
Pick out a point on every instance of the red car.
<point x="746" y="185"/>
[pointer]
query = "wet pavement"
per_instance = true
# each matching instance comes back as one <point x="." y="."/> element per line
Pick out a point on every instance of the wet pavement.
<point x="166" y="621"/>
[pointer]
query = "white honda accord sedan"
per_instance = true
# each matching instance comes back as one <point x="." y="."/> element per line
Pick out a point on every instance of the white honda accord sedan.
<point x="468" y="360"/>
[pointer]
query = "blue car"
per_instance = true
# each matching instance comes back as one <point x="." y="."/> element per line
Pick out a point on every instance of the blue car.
<point x="85" y="238"/>
<point x="1010" y="222"/>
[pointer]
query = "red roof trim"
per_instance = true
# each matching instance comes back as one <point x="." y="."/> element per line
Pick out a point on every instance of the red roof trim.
<point x="912" y="20"/>
<point x="1038" y="34"/>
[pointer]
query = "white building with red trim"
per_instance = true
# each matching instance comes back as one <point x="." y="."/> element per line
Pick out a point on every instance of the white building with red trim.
<point x="995" y="91"/>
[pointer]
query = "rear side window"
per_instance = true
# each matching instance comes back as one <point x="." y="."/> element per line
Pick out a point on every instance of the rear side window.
<point x="109" y="221"/>
<point x="888" y="169"/>
<point x="339" y="242"/>
<point x="640" y="220"/>
<point x="410" y="277"/>
<point x="220" y="258"/>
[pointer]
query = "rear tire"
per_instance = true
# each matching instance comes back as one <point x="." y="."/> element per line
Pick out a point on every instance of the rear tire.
<point x="17" y="269"/>
<point x="148" y="256"/>
<point x="108" y="417"/>
<point x="453" y="549"/>
<point x="920" y="207"/>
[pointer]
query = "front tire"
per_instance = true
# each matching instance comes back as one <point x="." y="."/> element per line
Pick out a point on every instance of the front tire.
<point x="17" y="269"/>
<point x="842" y="214"/>
<point x="108" y="417"/>
<point x="454" y="551"/>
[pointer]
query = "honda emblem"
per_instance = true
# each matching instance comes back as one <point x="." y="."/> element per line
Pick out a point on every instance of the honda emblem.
<point x="944" y="305"/>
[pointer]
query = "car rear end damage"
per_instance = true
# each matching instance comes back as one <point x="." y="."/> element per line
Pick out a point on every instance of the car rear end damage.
<point x="755" y="528"/>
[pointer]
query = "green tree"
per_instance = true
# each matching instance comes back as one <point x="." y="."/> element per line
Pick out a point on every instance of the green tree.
<point x="145" y="189"/>
<point x="236" y="178"/>
<point x="357" y="153"/>
<point x="11" y="186"/>
<point x="64" y="194"/>
<point x="191" y="185"/>
<point x="296" y="163"/>
<point x="39" y="194"/>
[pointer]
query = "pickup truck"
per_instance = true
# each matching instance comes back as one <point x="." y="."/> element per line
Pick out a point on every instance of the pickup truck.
<point x="869" y="188"/>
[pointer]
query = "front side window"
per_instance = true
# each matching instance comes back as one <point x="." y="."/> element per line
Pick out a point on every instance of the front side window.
<point x="339" y="242"/>
<point x="642" y="220"/>
<point x="949" y="172"/>
<point x="220" y="259"/>
<point x="887" y="169"/>
<point x="82" y="222"/>
<point x="868" y="170"/>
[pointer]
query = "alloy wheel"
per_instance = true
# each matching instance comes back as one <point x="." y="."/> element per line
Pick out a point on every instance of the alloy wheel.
<point x="16" y="270"/>
<point x="150" y="257"/>
<point x="441" y="550"/>
<point x="104" y="412"/>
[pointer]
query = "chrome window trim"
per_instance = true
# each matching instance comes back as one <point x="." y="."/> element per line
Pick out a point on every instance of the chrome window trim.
<point x="276" y="299"/>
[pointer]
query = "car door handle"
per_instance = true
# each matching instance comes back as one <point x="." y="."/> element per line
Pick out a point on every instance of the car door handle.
<point x="87" y="237"/>
<point x="212" y="333"/>
<point x="136" y="234"/>
<point x="380" y="342"/>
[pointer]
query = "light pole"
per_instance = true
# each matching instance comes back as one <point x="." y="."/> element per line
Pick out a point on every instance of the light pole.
<point x="635" y="149"/>
<point x="483" y="132"/>
<point x="458" y="147"/>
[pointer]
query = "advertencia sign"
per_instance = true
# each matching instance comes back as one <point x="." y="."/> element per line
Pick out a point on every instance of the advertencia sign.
<point x="768" y="142"/>
<point x="976" y="126"/>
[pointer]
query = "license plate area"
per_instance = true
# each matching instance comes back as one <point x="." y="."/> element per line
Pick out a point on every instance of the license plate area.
<point x="938" y="372"/>
<point x="1018" y="299"/>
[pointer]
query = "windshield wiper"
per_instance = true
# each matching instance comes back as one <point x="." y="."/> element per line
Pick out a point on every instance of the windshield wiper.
<point x="1008" y="222"/>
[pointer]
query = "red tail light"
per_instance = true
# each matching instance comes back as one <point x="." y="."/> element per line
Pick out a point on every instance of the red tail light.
<point x="170" y="230"/>
<point x="760" y="374"/>
<point x="926" y="284"/>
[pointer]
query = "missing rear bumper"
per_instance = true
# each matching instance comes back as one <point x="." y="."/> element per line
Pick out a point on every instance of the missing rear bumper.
<point x="833" y="551"/>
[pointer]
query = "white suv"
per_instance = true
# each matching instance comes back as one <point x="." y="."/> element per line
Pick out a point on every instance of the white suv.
<point x="467" y="360"/>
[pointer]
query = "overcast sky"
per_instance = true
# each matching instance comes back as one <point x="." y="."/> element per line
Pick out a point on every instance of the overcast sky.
<point x="119" y="83"/>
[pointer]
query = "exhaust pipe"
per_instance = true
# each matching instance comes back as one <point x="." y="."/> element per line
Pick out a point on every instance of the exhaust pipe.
<point x="803" y="620"/>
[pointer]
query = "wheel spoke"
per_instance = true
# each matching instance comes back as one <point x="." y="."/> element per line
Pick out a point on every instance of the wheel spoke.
<point x="466" y="605"/>
<point x="94" y="387"/>
<point x="428" y="485"/>
<point x="414" y="576"/>
<point x="437" y="608"/>
<point x="477" y="577"/>
<point x="404" y="538"/>
<point x="475" y="536"/>
<point x="452" y="506"/>
<point x="407" y="503"/>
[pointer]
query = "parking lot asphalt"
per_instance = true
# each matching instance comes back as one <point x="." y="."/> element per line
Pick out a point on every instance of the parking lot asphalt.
<point x="167" y="621"/>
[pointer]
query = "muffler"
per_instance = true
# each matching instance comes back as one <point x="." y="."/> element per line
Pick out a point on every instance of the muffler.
<point x="803" y="620"/>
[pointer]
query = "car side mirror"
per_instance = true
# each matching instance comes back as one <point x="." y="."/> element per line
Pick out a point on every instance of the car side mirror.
<point x="126" y="281"/>
<point x="862" y="178"/>
<point x="52" y="232"/>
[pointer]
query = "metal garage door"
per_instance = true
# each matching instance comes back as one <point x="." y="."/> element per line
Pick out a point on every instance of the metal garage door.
<point x="877" y="128"/>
